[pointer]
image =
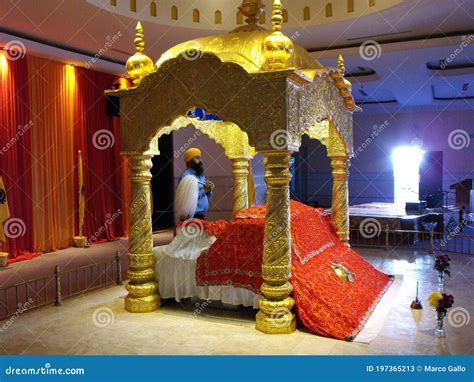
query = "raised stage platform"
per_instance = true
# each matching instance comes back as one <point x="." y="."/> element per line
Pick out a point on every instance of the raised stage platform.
<point x="370" y="220"/>
<point x="80" y="270"/>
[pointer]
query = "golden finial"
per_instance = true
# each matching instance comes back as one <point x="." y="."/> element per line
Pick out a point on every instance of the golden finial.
<point x="277" y="16"/>
<point x="139" y="41"/>
<point x="139" y="65"/>
<point x="277" y="48"/>
<point x="340" y="64"/>
<point x="342" y="69"/>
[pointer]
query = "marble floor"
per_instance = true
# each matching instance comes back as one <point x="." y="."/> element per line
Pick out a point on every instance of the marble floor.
<point x="96" y="323"/>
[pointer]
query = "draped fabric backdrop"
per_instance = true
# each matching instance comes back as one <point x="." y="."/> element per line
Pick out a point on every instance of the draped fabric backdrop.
<point x="102" y="164"/>
<point x="52" y="100"/>
<point x="49" y="111"/>
<point x="15" y="155"/>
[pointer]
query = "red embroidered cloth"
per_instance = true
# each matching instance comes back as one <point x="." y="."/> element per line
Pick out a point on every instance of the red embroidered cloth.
<point x="325" y="303"/>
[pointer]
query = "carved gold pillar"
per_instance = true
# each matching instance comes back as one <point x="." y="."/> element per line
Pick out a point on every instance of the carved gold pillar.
<point x="240" y="172"/>
<point x="142" y="288"/>
<point x="275" y="314"/>
<point x="340" y="196"/>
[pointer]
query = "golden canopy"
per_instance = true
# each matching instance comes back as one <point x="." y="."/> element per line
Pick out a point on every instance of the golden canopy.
<point x="267" y="92"/>
<point x="245" y="48"/>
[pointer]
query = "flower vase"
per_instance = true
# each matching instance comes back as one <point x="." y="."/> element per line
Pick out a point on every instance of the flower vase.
<point x="441" y="282"/>
<point x="439" y="330"/>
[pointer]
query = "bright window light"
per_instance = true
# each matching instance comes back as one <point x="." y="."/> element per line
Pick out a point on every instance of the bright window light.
<point x="406" y="172"/>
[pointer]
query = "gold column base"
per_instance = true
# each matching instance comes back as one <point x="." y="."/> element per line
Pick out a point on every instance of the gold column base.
<point x="275" y="317"/>
<point x="142" y="304"/>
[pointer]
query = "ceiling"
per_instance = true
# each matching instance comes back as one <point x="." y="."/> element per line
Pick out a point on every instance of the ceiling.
<point x="296" y="13"/>
<point x="406" y="35"/>
<point x="432" y="74"/>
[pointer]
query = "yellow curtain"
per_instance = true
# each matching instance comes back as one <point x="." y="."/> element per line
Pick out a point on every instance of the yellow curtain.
<point x="53" y="99"/>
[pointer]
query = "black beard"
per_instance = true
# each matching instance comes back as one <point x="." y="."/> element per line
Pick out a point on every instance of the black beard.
<point x="197" y="167"/>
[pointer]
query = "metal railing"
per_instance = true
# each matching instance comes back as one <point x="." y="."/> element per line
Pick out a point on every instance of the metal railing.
<point x="431" y="241"/>
<point x="59" y="285"/>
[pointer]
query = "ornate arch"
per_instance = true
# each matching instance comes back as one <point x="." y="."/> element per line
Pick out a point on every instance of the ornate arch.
<point x="326" y="132"/>
<point x="255" y="102"/>
<point x="338" y="152"/>
<point x="318" y="109"/>
<point x="228" y="135"/>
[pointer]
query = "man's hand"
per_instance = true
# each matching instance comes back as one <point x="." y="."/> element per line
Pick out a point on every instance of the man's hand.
<point x="209" y="186"/>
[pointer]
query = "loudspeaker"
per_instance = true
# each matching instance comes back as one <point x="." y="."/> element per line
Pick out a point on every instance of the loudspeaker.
<point x="113" y="106"/>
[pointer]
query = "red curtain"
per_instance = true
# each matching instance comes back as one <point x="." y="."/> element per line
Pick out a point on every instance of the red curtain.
<point x="15" y="155"/>
<point x="97" y="136"/>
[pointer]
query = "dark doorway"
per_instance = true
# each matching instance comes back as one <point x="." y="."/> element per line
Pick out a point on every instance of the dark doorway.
<point x="162" y="185"/>
<point x="431" y="179"/>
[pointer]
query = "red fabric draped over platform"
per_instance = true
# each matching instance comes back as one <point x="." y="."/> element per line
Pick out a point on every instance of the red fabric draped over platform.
<point x="326" y="303"/>
<point x="15" y="158"/>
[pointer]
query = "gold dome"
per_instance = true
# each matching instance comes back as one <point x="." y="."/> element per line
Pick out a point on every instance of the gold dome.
<point x="245" y="48"/>
<point x="251" y="46"/>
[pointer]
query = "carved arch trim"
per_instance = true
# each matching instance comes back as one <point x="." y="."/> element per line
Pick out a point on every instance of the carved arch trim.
<point x="228" y="135"/>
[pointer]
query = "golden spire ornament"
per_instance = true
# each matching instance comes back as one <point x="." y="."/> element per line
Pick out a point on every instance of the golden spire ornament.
<point x="139" y="65"/>
<point x="277" y="48"/>
<point x="342" y="69"/>
<point x="340" y="64"/>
